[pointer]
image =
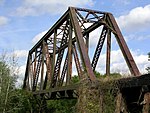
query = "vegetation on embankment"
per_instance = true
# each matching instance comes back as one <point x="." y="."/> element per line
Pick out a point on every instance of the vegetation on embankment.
<point x="98" y="96"/>
<point x="16" y="100"/>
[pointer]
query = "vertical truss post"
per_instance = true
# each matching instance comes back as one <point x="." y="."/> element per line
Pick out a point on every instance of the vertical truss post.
<point x="87" y="41"/>
<point x="26" y="73"/>
<point x="76" y="59"/>
<point x="57" y="67"/>
<point x="31" y="71"/>
<point x="99" y="48"/>
<point x="108" y="53"/>
<point x="42" y="70"/>
<point x="37" y="72"/>
<point x="28" y="81"/>
<point x="81" y="44"/>
<point x="42" y="73"/>
<point x="124" y="48"/>
<point x="54" y="56"/>
<point x="48" y="61"/>
<point x="54" y="50"/>
<point x="45" y="82"/>
<point x="35" y="56"/>
<point x="69" y="68"/>
<point x="63" y="71"/>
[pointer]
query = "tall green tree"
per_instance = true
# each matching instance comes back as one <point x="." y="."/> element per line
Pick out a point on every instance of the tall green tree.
<point x="11" y="98"/>
<point x="7" y="85"/>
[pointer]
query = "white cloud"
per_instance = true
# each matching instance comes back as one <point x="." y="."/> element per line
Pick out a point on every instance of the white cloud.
<point x="1" y="2"/>
<point x="22" y="70"/>
<point x="38" y="37"/>
<point x="38" y="7"/>
<point x="3" y="20"/>
<point x="20" y="53"/>
<point x="94" y="37"/>
<point x="137" y="18"/>
<point x="135" y="37"/>
<point x="25" y="11"/>
<point x="118" y="63"/>
<point x="121" y="2"/>
<point x="21" y="76"/>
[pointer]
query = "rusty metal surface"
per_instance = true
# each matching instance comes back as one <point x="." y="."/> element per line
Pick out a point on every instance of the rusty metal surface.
<point x="99" y="48"/>
<point x="81" y="45"/>
<point x="108" y="53"/>
<point x="124" y="48"/>
<point x="50" y="61"/>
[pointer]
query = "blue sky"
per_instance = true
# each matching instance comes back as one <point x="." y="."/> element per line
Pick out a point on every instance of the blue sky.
<point x="23" y="22"/>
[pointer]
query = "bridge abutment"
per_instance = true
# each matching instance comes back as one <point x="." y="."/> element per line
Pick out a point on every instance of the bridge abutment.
<point x="125" y="95"/>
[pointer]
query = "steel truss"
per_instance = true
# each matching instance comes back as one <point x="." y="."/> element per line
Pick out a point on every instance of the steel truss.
<point x="50" y="61"/>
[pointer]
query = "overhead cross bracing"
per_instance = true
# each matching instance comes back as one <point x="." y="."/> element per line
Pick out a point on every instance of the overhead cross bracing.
<point x="50" y="61"/>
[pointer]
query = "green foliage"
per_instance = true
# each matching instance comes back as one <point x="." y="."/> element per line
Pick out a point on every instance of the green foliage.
<point x="108" y="101"/>
<point x="12" y="99"/>
<point x="88" y="100"/>
<point x="101" y="76"/>
<point x="98" y="96"/>
<point x="7" y="86"/>
<point x="75" y="79"/>
<point x="97" y="74"/>
<point x="21" y="101"/>
<point x="61" y="106"/>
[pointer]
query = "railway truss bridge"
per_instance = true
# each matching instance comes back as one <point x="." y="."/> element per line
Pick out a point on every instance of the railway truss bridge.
<point x="66" y="48"/>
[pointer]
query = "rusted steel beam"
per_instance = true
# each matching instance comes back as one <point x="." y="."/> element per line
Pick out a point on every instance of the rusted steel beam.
<point x="60" y="56"/>
<point x="36" y="76"/>
<point x="26" y="73"/>
<point x="81" y="44"/>
<point x="50" y="32"/>
<point x="99" y="48"/>
<point x="58" y="40"/>
<point x="77" y="62"/>
<point x="58" y="89"/>
<point x="69" y="68"/>
<point x="87" y="41"/>
<point x="42" y="68"/>
<point x="108" y="53"/>
<point x="85" y="32"/>
<point x="89" y="10"/>
<point x="63" y="73"/>
<point x="124" y="48"/>
<point x="35" y="57"/>
<point x="45" y="82"/>
<point x="31" y="72"/>
<point x="54" y="50"/>
<point x="48" y="61"/>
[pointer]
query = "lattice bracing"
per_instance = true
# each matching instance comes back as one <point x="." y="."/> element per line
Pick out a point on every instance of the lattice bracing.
<point x="65" y="48"/>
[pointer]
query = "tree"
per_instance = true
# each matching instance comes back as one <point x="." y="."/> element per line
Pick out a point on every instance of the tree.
<point x="7" y="84"/>
<point x="11" y="98"/>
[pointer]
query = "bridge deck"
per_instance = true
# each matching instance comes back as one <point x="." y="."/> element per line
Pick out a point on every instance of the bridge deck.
<point x="70" y="91"/>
